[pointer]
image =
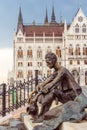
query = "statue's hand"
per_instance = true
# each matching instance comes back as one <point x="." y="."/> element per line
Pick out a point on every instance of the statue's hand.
<point x="44" y="90"/>
<point x="38" y="87"/>
<point x="48" y="86"/>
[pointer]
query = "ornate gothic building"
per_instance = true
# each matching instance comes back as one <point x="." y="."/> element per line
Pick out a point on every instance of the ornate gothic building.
<point x="69" y="42"/>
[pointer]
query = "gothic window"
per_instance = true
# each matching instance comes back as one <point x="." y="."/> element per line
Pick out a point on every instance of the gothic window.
<point x="58" y="52"/>
<point x="20" y="64"/>
<point x="29" y="73"/>
<point x="20" y="74"/>
<point x="19" y="39"/>
<point x="71" y="62"/>
<point x="39" y="52"/>
<point x="29" y="63"/>
<point x="39" y="64"/>
<point x="80" y="18"/>
<point x="29" y="53"/>
<point x="48" y="73"/>
<point x="84" y="50"/>
<point x="70" y="50"/>
<point x="39" y="72"/>
<point x="78" y="62"/>
<point x="20" y="53"/>
<point x="86" y="78"/>
<point x="84" y="28"/>
<point x="77" y="51"/>
<point x="77" y="28"/>
<point x="85" y="62"/>
<point x="49" y="49"/>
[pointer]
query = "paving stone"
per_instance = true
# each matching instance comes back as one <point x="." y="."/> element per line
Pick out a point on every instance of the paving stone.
<point x="14" y="122"/>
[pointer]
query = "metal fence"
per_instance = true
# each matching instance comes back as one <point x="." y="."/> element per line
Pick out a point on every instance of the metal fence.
<point x="15" y="96"/>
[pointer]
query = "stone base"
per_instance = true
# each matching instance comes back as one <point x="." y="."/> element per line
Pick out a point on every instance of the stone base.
<point x="65" y="125"/>
<point x="28" y="122"/>
<point x="73" y="126"/>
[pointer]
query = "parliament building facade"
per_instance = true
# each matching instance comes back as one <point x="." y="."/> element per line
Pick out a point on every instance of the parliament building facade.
<point x="67" y="41"/>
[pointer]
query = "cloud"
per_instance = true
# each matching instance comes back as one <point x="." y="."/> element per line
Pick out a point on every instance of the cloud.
<point x="6" y="63"/>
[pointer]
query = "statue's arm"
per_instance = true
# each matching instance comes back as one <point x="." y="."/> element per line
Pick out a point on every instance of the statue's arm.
<point x="57" y="78"/>
<point x="61" y="72"/>
<point x="48" y="80"/>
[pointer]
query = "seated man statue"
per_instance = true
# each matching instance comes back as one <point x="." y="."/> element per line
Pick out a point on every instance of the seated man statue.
<point x="61" y="85"/>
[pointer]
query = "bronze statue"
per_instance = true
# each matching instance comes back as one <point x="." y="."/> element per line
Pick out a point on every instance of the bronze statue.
<point x="61" y="84"/>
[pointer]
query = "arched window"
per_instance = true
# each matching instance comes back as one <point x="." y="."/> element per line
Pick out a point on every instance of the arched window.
<point x="40" y="73"/>
<point x="85" y="61"/>
<point x="86" y="78"/>
<point x="77" y="28"/>
<point x="49" y="49"/>
<point x="39" y="52"/>
<point x="20" y="64"/>
<point x="84" y="28"/>
<point x="71" y="61"/>
<point x="77" y="51"/>
<point x="29" y="64"/>
<point x="85" y="50"/>
<point x="39" y="64"/>
<point x="20" y="53"/>
<point x="58" y="52"/>
<point x="29" y="53"/>
<point x="20" y="74"/>
<point x="29" y="73"/>
<point x="70" y="50"/>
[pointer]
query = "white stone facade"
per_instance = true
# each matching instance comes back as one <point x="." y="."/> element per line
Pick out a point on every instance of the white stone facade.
<point x="70" y="47"/>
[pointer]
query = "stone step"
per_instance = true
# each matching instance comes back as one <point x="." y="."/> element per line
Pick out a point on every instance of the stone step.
<point x="28" y="122"/>
<point x="14" y="114"/>
<point x="73" y="126"/>
<point x="64" y="126"/>
<point x="14" y="124"/>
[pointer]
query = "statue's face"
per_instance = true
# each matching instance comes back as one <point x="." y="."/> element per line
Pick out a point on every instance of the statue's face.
<point x="50" y="63"/>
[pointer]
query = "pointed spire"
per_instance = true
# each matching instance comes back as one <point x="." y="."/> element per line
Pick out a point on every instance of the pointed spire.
<point x="20" y="21"/>
<point x="65" y="26"/>
<point x="46" y="18"/>
<point x="60" y="18"/>
<point x="53" y="21"/>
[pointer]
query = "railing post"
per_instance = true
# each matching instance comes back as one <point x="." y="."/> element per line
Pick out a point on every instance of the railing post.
<point x="4" y="100"/>
<point x="36" y="78"/>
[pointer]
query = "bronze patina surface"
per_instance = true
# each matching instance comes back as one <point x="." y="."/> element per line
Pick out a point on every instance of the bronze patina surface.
<point x="60" y="85"/>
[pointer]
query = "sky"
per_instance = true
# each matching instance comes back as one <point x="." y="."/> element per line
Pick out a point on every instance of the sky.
<point x="6" y="63"/>
<point x="31" y="10"/>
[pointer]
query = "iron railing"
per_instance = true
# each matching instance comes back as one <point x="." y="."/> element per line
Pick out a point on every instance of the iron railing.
<point x="17" y="95"/>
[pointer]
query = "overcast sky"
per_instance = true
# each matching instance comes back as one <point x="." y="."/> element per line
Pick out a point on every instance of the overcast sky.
<point x="33" y="10"/>
<point x="6" y="63"/>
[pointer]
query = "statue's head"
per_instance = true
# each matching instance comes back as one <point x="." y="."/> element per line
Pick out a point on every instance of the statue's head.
<point x="51" y="59"/>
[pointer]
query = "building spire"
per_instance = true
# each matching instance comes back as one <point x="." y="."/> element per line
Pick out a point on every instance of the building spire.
<point x="60" y="18"/>
<point x="65" y="27"/>
<point x="20" y="21"/>
<point x="53" y="21"/>
<point x="46" y="18"/>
